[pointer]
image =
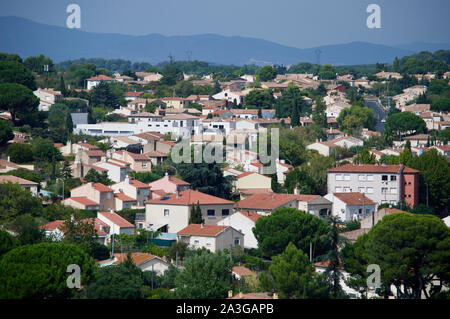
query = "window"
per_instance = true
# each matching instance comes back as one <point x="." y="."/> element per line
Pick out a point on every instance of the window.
<point x="166" y="213"/>
<point x="140" y="225"/>
<point x="211" y="213"/>
<point x="393" y="190"/>
<point x="362" y="177"/>
<point x="144" y="164"/>
<point x="339" y="177"/>
<point x="361" y="189"/>
<point x="338" y="189"/>
<point x="236" y="241"/>
<point x="384" y="190"/>
<point x="108" y="195"/>
<point x="196" y="242"/>
<point x="369" y="178"/>
<point x="347" y="190"/>
<point x="369" y="190"/>
<point x="225" y="212"/>
<point x="393" y="178"/>
<point x="346" y="177"/>
<point x="384" y="177"/>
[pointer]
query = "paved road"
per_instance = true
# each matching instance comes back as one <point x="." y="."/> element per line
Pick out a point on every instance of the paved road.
<point x="378" y="112"/>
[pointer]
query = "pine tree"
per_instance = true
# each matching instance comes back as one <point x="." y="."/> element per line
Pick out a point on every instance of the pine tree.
<point x="295" y="116"/>
<point x="62" y="86"/>
<point x="66" y="171"/>
<point x="196" y="215"/>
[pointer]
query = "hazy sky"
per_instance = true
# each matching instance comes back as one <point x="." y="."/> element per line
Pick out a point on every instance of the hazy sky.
<point x="298" y="23"/>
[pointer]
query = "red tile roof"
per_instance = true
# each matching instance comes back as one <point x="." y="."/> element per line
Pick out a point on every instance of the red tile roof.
<point x="83" y="201"/>
<point x="95" y="153"/>
<point x="132" y="94"/>
<point x="354" y="198"/>
<point x="124" y="198"/>
<point x="306" y="198"/>
<point x="251" y="215"/>
<point x="190" y="197"/>
<point x="53" y="225"/>
<point x="202" y="230"/>
<point x="117" y="219"/>
<point x="102" y="188"/>
<point x="137" y="258"/>
<point x="15" y="180"/>
<point x="88" y="146"/>
<point x="242" y="271"/>
<point x="177" y="181"/>
<point x="368" y="168"/>
<point x="101" y="77"/>
<point x="265" y="201"/>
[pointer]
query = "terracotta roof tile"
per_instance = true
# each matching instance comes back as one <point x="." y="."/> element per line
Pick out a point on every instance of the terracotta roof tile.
<point x="202" y="230"/>
<point x="117" y="219"/>
<point x="190" y="197"/>
<point x="354" y="198"/>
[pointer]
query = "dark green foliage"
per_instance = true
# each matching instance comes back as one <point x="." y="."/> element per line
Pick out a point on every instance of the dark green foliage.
<point x="146" y="177"/>
<point x="20" y="153"/>
<point x="287" y="225"/>
<point x="27" y="229"/>
<point x="266" y="73"/>
<point x="196" y="216"/>
<point x="60" y="122"/>
<point x="259" y="99"/>
<point x="206" y="276"/>
<point x="15" y="201"/>
<point x="96" y="177"/>
<point x="7" y="242"/>
<point x="15" y="72"/>
<point x="400" y="123"/>
<point x="103" y="95"/>
<point x="19" y="100"/>
<point x="6" y="133"/>
<point x="411" y="250"/>
<point x="40" y="271"/>
<point x="293" y="276"/>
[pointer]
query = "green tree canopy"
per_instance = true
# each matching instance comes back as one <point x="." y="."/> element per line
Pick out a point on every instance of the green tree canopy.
<point x="411" y="250"/>
<point x="205" y="276"/>
<point x="20" y="153"/>
<point x="6" y="133"/>
<point x="18" y="100"/>
<point x="15" y="201"/>
<point x="16" y="72"/>
<point x="40" y="271"/>
<point x="286" y="225"/>
<point x="399" y="124"/>
<point x="292" y="275"/>
<point x="266" y="73"/>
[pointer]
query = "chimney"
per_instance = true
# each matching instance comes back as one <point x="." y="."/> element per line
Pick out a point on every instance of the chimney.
<point x="230" y="293"/>
<point x="202" y="225"/>
<point x="248" y="213"/>
<point x="127" y="180"/>
<point x="178" y="194"/>
<point x="103" y="159"/>
<point x="8" y="159"/>
<point x="240" y="295"/>
<point x="111" y="210"/>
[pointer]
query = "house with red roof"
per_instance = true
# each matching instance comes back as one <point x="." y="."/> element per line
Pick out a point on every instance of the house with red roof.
<point x="389" y="184"/>
<point x="169" y="184"/>
<point x="131" y="96"/>
<point x="264" y="204"/>
<point x="30" y="186"/>
<point x="144" y="261"/>
<point x="171" y="213"/>
<point x="139" y="163"/>
<point x="243" y="221"/>
<point x="97" y="193"/>
<point x="211" y="237"/>
<point x="351" y="206"/>
<point x="134" y="189"/>
<point x="117" y="224"/>
<point x="56" y="229"/>
<point x="95" y="80"/>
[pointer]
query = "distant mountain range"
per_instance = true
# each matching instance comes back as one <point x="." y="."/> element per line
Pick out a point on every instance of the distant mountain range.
<point x="28" y="38"/>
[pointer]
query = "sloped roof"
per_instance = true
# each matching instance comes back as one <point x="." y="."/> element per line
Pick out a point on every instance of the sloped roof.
<point x="117" y="219"/>
<point x="202" y="230"/>
<point x="189" y="197"/>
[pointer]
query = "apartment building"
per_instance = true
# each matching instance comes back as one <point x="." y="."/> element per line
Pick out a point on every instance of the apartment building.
<point x="381" y="183"/>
